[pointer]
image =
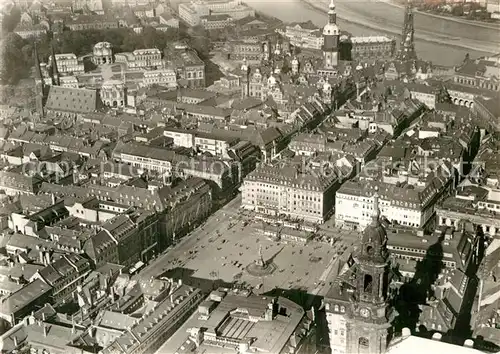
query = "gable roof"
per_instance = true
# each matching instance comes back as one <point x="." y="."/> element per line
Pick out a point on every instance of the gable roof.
<point x="73" y="100"/>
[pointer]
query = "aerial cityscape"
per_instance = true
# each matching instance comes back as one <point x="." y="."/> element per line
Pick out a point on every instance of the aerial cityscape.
<point x="227" y="176"/>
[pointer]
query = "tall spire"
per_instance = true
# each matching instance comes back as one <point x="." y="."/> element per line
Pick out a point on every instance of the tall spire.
<point x="376" y="210"/>
<point x="38" y="70"/>
<point x="55" y="71"/>
<point x="332" y="15"/>
<point x="407" y="47"/>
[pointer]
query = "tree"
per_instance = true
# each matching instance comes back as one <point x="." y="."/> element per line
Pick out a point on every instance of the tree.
<point x="11" y="20"/>
<point x="457" y="10"/>
<point x="12" y="66"/>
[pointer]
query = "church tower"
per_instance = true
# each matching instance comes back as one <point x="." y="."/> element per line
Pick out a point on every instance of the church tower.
<point x="331" y="40"/>
<point x="55" y="72"/>
<point x="245" y="79"/>
<point x="407" y="47"/>
<point x="39" y="85"/>
<point x="368" y="324"/>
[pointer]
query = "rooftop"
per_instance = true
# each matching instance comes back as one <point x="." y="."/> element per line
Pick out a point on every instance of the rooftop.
<point x="23" y="297"/>
<point x="231" y="319"/>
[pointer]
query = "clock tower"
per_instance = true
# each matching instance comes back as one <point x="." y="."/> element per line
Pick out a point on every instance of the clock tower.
<point x="367" y="321"/>
<point x="331" y="35"/>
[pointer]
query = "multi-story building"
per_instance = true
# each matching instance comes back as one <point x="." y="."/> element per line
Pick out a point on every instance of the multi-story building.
<point x="141" y="59"/>
<point x="15" y="184"/>
<point x="191" y="203"/>
<point x="64" y="275"/>
<point x="97" y="22"/>
<point x="304" y="35"/>
<point x="480" y="73"/>
<point x="167" y="21"/>
<point x="182" y="138"/>
<point x="71" y="102"/>
<point x="488" y="112"/>
<point x="286" y="190"/>
<point x="162" y="77"/>
<point x="424" y="93"/>
<point x="149" y="332"/>
<point x="19" y="304"/>
<point x="30" y="31"/>
<point x="194" y="96"/>
<point x="125" y="239"/>
<point x="213" y="327"/>
<point x="459" y="248"/>
<point x="480" y="206"/>
<point x="102" y="53"/>
<point x="113" y="93"/>
<point x="219" y="173"/>
<point x="89" y="5"/>
<point x="402" y="205"/>
<point x="193" y="12"/>
<point x="308" y="144"/>
<point x="246" y="50"/>
<point x="187" y="65"/>
<point x="145" y="157"/>
<point x="372" y="48"/>
<point x="215" y="145"/>
<point x="216" y="21"/>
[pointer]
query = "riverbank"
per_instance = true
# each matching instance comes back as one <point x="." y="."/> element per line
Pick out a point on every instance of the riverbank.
<point x="447" y="18"/>
<point x="346" y="14"/>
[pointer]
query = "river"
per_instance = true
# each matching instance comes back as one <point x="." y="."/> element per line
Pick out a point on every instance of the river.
<point x="442" y="41"/>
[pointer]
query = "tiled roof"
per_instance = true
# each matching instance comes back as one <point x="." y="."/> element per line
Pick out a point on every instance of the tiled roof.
<point x="73" y="100"/>
<point x="24" y="297"/>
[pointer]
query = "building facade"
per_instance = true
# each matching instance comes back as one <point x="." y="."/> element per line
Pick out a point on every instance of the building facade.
<point x="211" y="22"/>
<point x="284" y="191"/>
<point x="192" y="13"/>
<point x="372" y="48"/>
<point x="113" y="93"/>
<point x="162" y="77"/>
<point x="411" y="208"/>
<point x="304" y="35"/>
<point x="146" y="59"/>
<point x="102" y="53"/>
<point x="480" y="73"/>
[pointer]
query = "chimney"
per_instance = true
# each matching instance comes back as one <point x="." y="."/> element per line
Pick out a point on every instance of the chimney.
<point x="48" y="257"/>
<point x="180" y="282"/>
<point x="172" y="298"/>
<point x="15" y="341"/>
<point x="42" y="258"/>
<point x="53" y="198"/>
<point x="91" y="331"/>
<point x="43" y="316"/>
<point x="45" y="330"/>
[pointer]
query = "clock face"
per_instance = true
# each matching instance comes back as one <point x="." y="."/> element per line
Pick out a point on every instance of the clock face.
<point x="364" y="312"/>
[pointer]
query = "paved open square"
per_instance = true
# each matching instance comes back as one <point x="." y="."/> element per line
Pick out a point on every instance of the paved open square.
<point x="229" y="242"/>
